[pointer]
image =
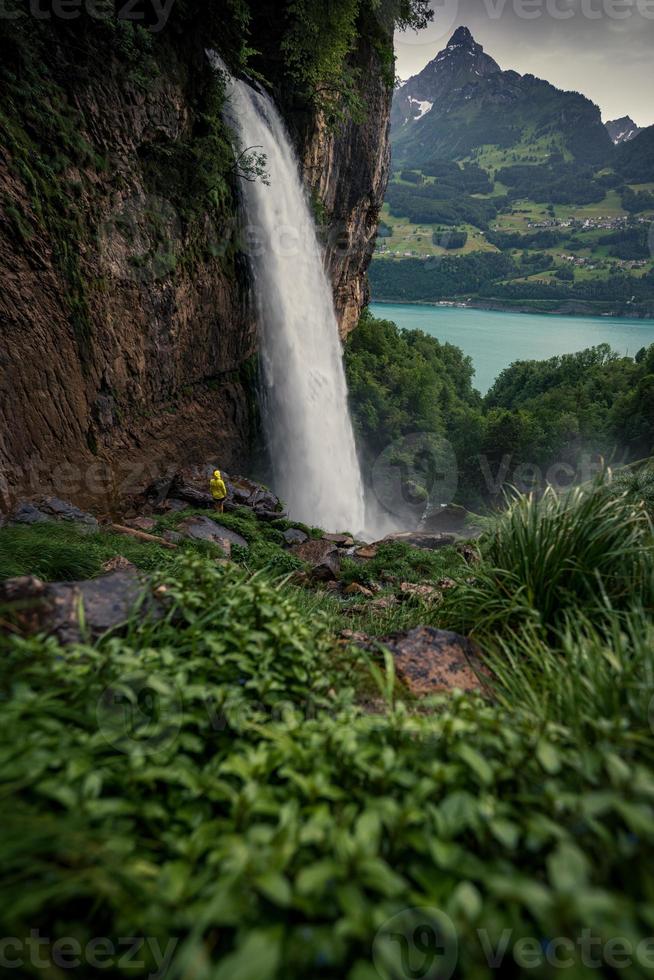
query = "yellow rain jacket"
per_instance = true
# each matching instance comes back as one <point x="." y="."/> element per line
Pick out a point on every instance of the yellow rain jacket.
<point x="217" y="486"/>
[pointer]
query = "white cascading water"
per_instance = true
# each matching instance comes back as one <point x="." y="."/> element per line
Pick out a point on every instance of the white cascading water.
<point x="306" y="415"/>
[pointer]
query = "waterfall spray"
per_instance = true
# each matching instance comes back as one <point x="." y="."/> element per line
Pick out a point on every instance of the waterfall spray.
<point x="306" y="417"/>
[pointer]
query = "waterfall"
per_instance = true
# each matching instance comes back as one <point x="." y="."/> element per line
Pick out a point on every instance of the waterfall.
<point x="306" y="417"/>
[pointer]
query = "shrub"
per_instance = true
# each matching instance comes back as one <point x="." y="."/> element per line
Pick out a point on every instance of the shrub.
<point x="251" y="823"/>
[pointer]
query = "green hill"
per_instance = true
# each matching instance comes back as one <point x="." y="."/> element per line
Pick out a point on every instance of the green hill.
<point x="488" y="161"/>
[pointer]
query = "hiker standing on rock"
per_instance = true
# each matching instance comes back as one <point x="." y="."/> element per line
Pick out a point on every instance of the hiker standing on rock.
<point x="218" y="490"/>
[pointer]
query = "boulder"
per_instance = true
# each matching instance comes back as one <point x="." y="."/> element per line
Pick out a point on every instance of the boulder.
<point x="322" y="556"/>
<point x="295" y="536"/>
<point x="26" y="513"/>
<point x="447" y="520"/>
<point x="51" y="509"/>
<point x="108" y="603"/>
<point x="201" y="528"/>
<point x="431" y="661"/>
<point x="61" y="510"/>
<point x="247" y="493"/>
<point x="342" y="540"/>
<point x="368" y="552"/>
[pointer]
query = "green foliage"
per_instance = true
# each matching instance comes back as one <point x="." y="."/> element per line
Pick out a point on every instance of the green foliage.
<point x="592" y="671"/>
<point x="319" y="43"/>
<point x="403" y="381"/>
<point x="402" y="563"/>
<point x="593" y="400"/>
<point x="402" y="280"/>
<point x="551" y="417"/>
<point x="201" y="781"/>
<point x="58" y="552"/>
<point x="553" y="558"/>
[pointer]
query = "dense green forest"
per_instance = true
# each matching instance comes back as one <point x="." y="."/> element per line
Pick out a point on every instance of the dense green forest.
<point x="553" y="418"/>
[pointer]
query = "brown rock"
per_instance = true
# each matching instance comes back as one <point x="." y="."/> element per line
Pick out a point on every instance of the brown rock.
<point x="141" y="524"/>
<point x="342" y="540"/>
<point x="118" y="564"/>
<point x="322" y="556"/>
<point x="367" y="552"/>
<point x="106" y="603"/>
<point x="428" y="593"/>
<point x="384" y="603"/>
<point x="357" y="589"/>
<point x="431" y="661"/>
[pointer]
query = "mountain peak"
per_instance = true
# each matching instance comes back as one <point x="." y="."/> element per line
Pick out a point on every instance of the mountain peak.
<point x="462" y="38"/>
<point x="622" y="130"/>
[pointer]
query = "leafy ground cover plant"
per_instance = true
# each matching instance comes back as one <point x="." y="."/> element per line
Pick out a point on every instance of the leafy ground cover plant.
<point x="208" y="783"/>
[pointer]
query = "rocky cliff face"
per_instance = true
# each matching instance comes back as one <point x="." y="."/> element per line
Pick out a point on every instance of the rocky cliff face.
<point x="347" y="169"/>
<point x="128" y="345"/>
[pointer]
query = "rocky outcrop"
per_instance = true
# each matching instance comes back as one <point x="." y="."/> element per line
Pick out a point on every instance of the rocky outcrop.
<point x="622" y="130"/>
<point x="77" y="611"/>
<point x="128" y="341"/>
<point x="125" y="326"/>
<point x="347" y="169"/>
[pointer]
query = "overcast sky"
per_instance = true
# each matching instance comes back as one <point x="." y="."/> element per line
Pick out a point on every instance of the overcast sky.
<point x="602" y="48"/>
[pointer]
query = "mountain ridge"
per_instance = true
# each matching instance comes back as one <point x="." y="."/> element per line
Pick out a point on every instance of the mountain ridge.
<point x="475" y="103"/>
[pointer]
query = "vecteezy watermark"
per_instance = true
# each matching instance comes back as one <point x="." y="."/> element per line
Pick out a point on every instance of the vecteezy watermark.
<point x="450" y="13"/>
<point x="140" y="715"/>
<point x="587" y="950"/>
<point x="416" y="944"/>
<point x="415" y="476"/>
<point x="569" y="9"/>
<point x="151" y="14"/>
<point x="129" y="953"/>
<point x="422" y="944"/>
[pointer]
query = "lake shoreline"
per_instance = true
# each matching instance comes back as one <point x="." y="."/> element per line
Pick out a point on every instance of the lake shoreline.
<point x="494" y="339"/>
<point x="495" y="307"/>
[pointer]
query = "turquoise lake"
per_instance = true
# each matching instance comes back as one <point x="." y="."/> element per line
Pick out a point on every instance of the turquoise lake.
<point x="494" y="340"/>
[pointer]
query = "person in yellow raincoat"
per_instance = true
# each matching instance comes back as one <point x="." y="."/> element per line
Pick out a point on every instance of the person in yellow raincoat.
<point x="218" y="490"/>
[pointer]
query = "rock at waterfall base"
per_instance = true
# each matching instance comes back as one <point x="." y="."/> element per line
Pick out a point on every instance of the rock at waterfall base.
<point x="322" y="556"/>
<point x="76" y="611"/>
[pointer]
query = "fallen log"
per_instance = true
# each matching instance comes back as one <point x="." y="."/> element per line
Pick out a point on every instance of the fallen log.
<point x="142" y="536"/>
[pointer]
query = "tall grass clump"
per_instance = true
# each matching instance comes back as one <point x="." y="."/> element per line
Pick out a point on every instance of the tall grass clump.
<point x="588" y="552"/>
<point x="596" y="673"/>
<point x="62" y="552"/>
